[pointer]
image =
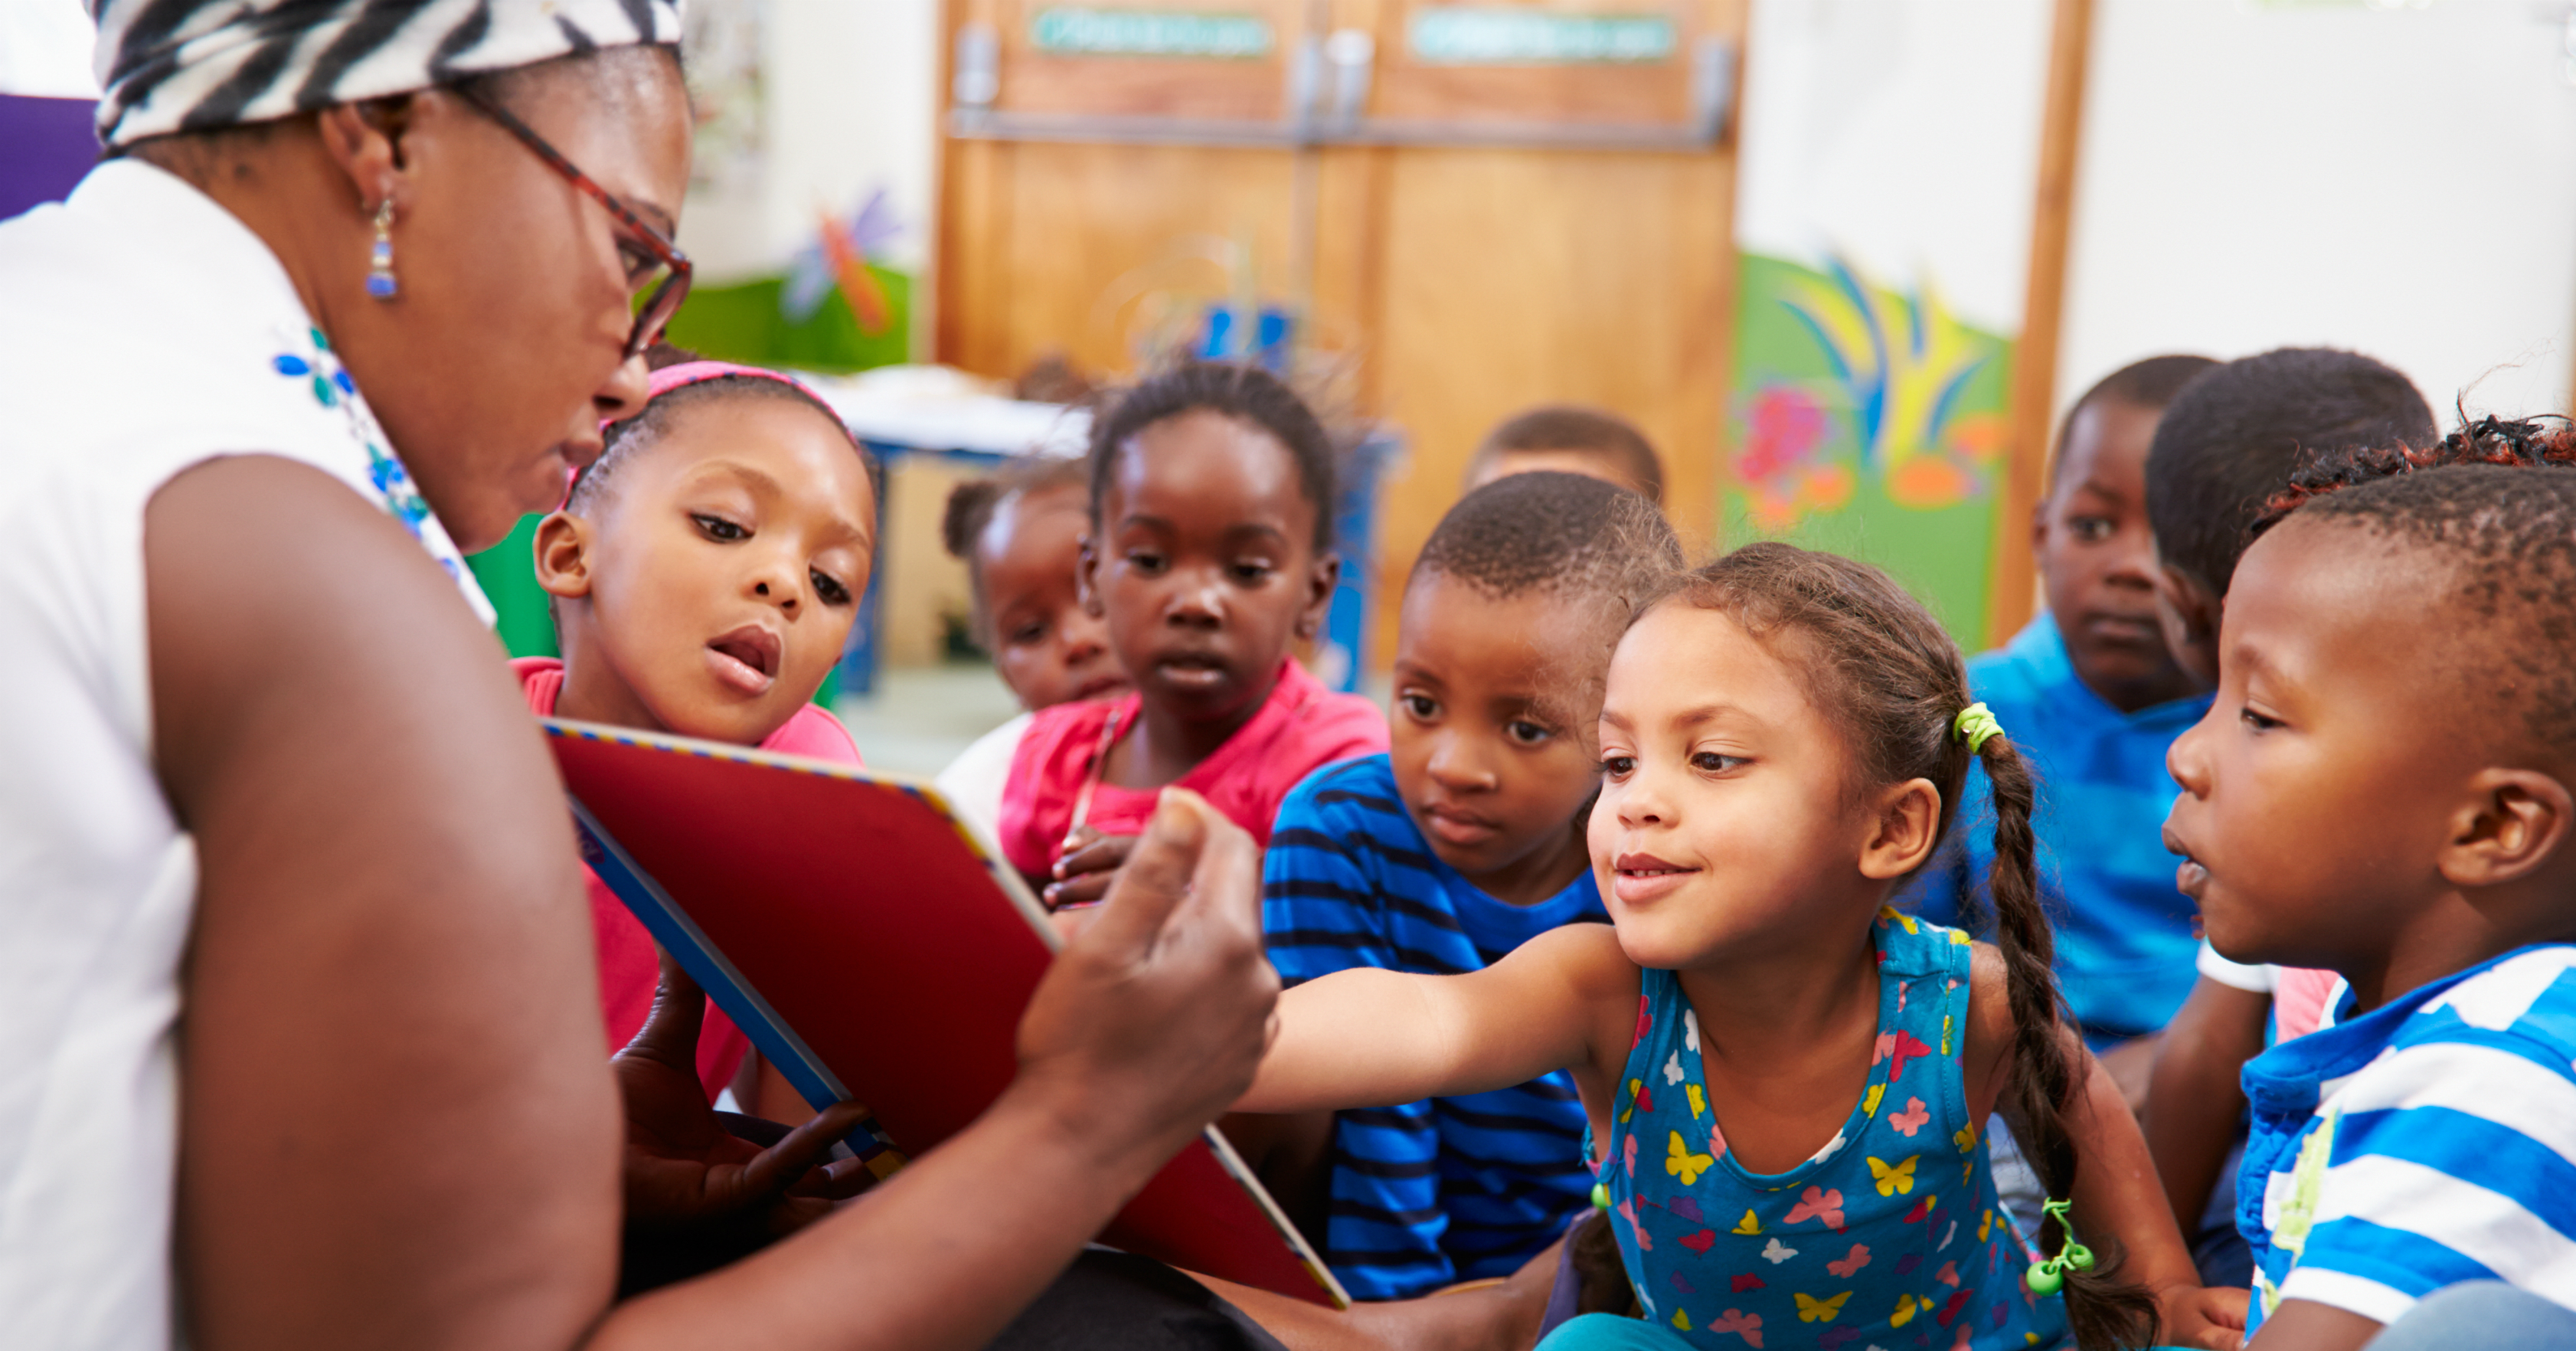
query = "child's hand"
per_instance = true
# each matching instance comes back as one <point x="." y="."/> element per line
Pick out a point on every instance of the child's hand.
<point x="683" y="1169"/>
<point x="2203" y="1316"/>
<point x="1090" y="860"/>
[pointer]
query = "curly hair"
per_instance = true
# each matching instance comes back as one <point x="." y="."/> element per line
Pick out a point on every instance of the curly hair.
<point x="1237" y="390"/>
<point x="2494" y="504"/>
<point x="2520" y="443"/>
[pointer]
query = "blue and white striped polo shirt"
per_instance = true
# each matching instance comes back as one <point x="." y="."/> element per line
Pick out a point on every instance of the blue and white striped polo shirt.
<point x="1448" y="1189"/>
<point x="2428" y="1142"/>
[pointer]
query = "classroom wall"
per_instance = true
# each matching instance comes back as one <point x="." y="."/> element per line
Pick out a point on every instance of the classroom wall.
<point x="2396" y="180"/>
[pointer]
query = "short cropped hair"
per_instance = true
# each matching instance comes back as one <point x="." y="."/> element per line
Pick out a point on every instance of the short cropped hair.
<point x="2506" y="529"/>
<point x="2151" y="383"/>
<point x="1570" y="427"/>
<point x="1237" y="390"/>
<point x="1555" y="532"/>
<point x="2235" y="435"/>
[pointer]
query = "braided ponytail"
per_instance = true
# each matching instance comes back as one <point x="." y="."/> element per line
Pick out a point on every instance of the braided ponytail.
<point x="2101" y="1309"/>
<point x="1893" y="679"/>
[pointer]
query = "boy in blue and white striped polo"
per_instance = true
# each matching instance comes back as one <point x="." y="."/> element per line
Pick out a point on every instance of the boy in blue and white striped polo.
<point x="2382" y="789"/>
<point x="1458" y="847"/>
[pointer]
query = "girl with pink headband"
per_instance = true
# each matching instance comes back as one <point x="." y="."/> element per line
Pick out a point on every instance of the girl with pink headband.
<point x="705" y="572"/>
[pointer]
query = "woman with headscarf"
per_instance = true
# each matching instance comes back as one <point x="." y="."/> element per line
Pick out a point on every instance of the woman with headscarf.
<point x="298" y="1044"/>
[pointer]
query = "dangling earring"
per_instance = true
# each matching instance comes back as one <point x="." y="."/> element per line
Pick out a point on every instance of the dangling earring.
<point x="380" y="260"/>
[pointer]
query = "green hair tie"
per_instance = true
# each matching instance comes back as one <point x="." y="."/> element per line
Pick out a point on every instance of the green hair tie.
<point x="2047" y="1276"/>
<point x="1976" y="725"/>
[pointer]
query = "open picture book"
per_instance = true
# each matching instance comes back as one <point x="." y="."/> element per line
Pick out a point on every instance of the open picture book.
<point x="874" y="948"/>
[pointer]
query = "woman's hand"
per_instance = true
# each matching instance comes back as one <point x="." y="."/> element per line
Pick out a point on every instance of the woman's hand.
<point x="682" y="1168"/>
<point x="1091" y="861"/>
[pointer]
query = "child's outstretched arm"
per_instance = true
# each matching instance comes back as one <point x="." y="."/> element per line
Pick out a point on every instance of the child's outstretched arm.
<point x="1367" y="1038"/>
<point x="2116" y="1195"/>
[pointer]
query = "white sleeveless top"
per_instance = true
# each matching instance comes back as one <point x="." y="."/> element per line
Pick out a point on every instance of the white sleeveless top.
<point x="143" y="329"/>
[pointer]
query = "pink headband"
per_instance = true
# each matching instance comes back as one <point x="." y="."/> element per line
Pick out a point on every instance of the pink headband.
<point x="698" y="372"/>
<point x="670" y="378"/>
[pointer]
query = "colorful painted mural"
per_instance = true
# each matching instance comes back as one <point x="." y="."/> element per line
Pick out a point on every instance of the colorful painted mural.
<point x="1869" y="420"/>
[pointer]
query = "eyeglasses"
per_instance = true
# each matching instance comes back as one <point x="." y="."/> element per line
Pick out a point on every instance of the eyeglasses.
<point x="666" y="286"/>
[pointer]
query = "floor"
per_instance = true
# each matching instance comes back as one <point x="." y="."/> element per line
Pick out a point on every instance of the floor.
<point x="921" y="716"/>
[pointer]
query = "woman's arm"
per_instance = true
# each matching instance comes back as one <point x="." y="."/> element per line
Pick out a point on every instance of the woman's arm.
<point x="2195" y="1100"/>
<point x="1367" y="1038"/>
<point x="389" y="896"/>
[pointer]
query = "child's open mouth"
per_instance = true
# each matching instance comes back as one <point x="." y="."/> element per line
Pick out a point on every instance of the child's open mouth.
<point x="746" y="659"/>
<point x="2191" y="875"/>
<point x="1638" y="878"/>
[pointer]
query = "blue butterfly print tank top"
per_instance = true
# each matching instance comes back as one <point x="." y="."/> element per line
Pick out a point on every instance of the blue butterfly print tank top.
<point x="1888" y="1239"/>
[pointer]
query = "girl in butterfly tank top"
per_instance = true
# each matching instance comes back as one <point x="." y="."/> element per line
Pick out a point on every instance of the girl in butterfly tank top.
<point x="1787" y="1080"/>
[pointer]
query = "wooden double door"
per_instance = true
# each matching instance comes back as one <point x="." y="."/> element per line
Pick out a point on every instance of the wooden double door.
<point x="1466" y="209"/>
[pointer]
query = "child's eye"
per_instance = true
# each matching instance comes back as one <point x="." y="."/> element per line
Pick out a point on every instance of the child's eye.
<point x="1421" y="706"/>
<point x="1145" y="561"/>
<point x="829" y="588"/>
<point x="1026" y="634"/>
<point x="1251" y="572"/>
<point x="2093" y="529"/>
<point x="718" y="528"/>
<point x="1526" y="733"/>
<point x="1710" y="762"/>
<point x="2257" y="721"/>
<point x="1618" y="766"/>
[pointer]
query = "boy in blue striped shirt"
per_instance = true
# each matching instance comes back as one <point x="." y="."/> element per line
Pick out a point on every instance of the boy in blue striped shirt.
<point x="1462" y="844"/>
<point x="2382" y="789"/>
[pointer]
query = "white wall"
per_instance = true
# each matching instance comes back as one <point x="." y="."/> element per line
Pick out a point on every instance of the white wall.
<point x="1903" y="134"/>
<point x="45" y="49"/>
<point x="851" y="103"/>
<point x="2401" y="182"/>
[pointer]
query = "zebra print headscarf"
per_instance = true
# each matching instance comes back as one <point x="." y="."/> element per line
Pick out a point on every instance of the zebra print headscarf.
<point x="194" y="65"/>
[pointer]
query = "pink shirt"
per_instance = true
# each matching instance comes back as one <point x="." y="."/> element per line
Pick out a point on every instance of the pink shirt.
<point x="1300" y="728"/>
<point x="2299" y="1000"/>
<point x="629" y="968"/>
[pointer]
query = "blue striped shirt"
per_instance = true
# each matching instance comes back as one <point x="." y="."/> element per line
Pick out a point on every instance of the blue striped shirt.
<point x="2428" y="1142"/>
<point x="2126" y="952"/>
<point x="1448" y="1189"/>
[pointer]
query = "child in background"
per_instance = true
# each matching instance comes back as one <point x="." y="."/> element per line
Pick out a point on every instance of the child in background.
<point x="1799" y="1065"/>
<point x="2230" y="440"/>
<point x="1019" y="533"/>
<point x="1210" y="552"/>
<point x="2093" y="699"/>
<point x="2382" y="790"/>
<point x="705" y="572"/>
<point x="1571" y="440"/>
<point x="1462" y="844"/>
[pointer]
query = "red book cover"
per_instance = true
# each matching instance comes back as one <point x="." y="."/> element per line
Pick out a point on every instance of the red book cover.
<point x="875" y="949"/>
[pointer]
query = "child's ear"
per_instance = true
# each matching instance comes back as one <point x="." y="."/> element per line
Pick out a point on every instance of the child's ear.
<point x="2189" y="616"/>
<point x="2511" y="823"/>
<point x="1908" y="826"/>
<point x="1086" y="570"/>
<point x="1325" y="575"/>
<point x="563" y="556"/>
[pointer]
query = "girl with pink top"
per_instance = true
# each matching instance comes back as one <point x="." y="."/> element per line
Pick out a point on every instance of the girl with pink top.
<point x="705" y="573"/>
<point x="1210" y="553"/>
